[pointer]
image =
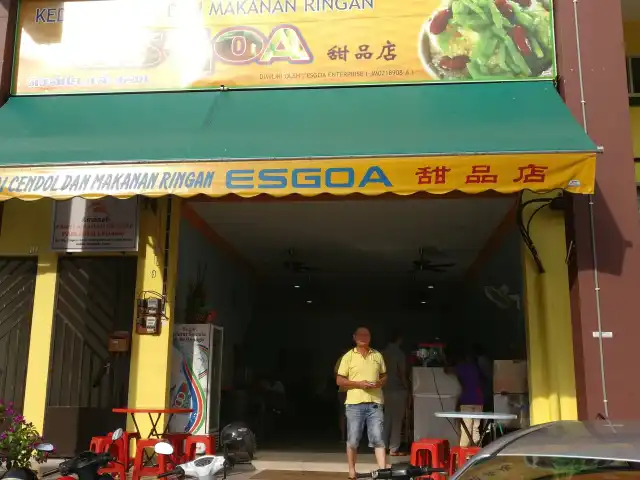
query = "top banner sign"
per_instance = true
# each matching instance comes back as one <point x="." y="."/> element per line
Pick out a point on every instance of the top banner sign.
<point x="143" y="45"/>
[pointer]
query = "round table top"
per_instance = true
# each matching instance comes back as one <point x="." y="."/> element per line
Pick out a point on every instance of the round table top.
<point x="477" y="415"/>
<point x="167" y="411"/>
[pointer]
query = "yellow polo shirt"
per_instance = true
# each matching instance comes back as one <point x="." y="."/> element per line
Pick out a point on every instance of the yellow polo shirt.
<point x="370" y="368"/>
<point x="335" y="372"/>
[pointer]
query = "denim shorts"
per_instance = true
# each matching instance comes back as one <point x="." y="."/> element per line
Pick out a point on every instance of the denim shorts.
<point x="361" y="414"/>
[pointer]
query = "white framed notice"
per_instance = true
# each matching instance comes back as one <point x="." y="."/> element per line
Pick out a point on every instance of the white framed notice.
<point x="104" y="225"/>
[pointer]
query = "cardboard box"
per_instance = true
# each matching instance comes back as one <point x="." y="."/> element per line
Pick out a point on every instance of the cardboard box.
<point x="510" y="376"/>
<point x="118" y="342"/>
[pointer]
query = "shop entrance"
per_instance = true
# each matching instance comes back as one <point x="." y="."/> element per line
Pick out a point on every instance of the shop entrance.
<point x="17" y="285"/>
<point x="95" y="297"/>
<point x="290" y="280"/>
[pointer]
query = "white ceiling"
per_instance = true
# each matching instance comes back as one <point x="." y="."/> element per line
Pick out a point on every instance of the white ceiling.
<point x="367" y="239"/>
<point x="630" y="9"/>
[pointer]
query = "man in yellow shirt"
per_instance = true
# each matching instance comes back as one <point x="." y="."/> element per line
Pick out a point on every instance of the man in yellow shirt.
<point x="363" y="373"/>
<point x="342" y="398"/>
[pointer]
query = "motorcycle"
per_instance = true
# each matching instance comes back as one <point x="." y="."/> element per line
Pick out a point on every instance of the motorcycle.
<point x="85" y="465"/>
<point x="404" y="471"/>
<point x="207" y="466"/>
<point x="238" y="443"/>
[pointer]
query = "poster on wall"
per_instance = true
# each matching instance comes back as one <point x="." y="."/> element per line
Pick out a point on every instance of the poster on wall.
<point x="104" y="225"/>
<point x="153" y="45"/>
<point x="195" y="378"/>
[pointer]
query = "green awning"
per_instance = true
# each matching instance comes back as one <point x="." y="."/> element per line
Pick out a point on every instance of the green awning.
<point x="416" y="120"/>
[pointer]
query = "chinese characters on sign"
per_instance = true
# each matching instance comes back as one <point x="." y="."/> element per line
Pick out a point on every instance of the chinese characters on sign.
<point x="387" y="52"/>
<point x="432" y="175"/>
<point x="199" y="44"/>
<point x="83" y="224"/>
<point x="481" y="174"/>
<point x="531" y="174"/>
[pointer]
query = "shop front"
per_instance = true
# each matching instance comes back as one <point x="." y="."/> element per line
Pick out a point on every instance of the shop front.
<point x="234" y="130"/>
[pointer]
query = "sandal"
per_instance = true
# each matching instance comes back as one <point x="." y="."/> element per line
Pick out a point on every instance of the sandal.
<point x="398" y="454"/>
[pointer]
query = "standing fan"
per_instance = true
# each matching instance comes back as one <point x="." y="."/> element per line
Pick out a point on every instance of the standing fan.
<point x="501" y="297"/>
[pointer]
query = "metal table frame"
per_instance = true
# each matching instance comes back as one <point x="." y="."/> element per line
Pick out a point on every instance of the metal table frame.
<point x="492" y="417"/>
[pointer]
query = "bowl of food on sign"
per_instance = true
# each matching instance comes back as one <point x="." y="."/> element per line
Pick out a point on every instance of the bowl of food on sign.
<point x="488" y="40"/>
<point x="238" y="45"/>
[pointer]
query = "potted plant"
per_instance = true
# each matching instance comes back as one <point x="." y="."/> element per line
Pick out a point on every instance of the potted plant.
<point x="18" y="441"/>
<point x="195" y="311"/>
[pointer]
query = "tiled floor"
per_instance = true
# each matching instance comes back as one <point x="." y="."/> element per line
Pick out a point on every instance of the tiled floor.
<point x="314" y="462"/>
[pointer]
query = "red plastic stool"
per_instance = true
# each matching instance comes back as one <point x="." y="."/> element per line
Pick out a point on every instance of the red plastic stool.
<point x="459" y="456"/>
<point x="120" y="450"/>
<point x="115" y="469"/>
<point x="430" y="452"/>
<point x="100" y="444"/>
<point x="192" y="441"/>
<point x="178" y="441"/>
<point x="127" y="458"/>
<point x="117" y="450"/>
<point x="141" y="467"/>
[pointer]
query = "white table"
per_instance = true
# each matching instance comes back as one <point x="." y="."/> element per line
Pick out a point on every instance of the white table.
<point x="489" y="416"/>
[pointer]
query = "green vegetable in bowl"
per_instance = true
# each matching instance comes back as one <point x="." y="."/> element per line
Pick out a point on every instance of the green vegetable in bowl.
<point x="498" y="38"/>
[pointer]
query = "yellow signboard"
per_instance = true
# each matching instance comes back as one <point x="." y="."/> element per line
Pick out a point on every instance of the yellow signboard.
<point x="140" y="45"/>
<point x="368" y="176"/>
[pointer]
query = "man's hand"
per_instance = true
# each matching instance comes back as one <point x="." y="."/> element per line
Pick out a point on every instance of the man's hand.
<point x="380" y="383"/>
<point x="363" y="384"/>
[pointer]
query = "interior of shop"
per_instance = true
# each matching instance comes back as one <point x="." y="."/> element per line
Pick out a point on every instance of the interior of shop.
<point x="289" y="281"/>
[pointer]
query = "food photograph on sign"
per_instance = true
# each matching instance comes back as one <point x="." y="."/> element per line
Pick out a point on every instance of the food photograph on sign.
<point x="84" y="46"/>
<point x="488" y="39"/>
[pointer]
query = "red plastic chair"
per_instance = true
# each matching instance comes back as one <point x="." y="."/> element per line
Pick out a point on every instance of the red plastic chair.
<point x="431" y="452"/>
<point x="103" y="443"/>
<point x="178" y="442"/>
<point x="115" y="470"/>
<point x="119" y="468"/>
<point x="141" y="462"/>
<point x="127" y="450"/>
<point x="120" y="450"/>
<point x="100" y="444"/>
<point x="459" y="456"/>
<point x="192" y="442"/>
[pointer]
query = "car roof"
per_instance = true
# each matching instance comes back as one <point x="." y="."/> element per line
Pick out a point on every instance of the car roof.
<point x="605" y="440"/>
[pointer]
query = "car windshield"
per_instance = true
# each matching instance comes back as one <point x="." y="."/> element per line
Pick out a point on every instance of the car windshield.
<point x="549" y="468"/>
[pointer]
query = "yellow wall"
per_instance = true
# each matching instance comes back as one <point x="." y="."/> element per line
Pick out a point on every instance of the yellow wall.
<point x="632" y="38"/>
<point x="26" y="231"/>
<point x="548" y="316"/>
<point x="33" y="238"/>
<point x="635" y="131"/>
<point x="151" y="354"/>
<point x="632" y="47"/>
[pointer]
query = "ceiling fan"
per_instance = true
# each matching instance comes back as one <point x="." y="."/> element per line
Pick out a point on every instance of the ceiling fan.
<point x="296" y="266"/>
<point x="425" y="265"/>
